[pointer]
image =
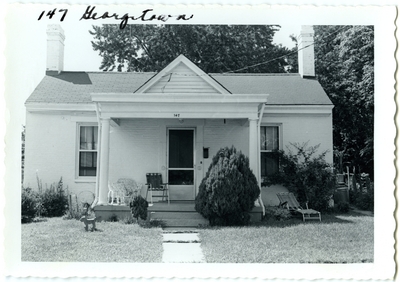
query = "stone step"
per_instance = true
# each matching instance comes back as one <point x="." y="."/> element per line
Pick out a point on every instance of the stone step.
<point x="180" y="253"/>
<point x="180" y="230"/>
<point x="181" y="238"/>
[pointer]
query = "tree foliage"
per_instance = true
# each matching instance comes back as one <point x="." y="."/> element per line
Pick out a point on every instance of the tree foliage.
<point x="213" y="48"/>
<point x="345" y="68"/>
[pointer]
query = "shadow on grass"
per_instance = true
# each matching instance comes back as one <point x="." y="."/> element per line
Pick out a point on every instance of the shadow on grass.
<point x="297" y="220"/>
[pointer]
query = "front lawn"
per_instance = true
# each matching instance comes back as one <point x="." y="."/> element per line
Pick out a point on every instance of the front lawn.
<point x="58" y="240"/>
<point x="337" y="239"/>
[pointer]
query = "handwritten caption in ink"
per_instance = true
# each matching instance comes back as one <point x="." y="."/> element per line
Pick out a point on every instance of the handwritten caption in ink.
<point x="89" y="14"/>
<point x="51" y="13"/>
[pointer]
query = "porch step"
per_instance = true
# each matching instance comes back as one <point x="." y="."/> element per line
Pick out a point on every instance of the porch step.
<point x="184" y="222"/>
<point x="176" y="215"/>
<point x="180" y="219"/>
<point x="183" y="214"/>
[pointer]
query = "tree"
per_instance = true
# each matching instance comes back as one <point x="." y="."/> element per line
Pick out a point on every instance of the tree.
<point x="345" y="68"/>
<point x="213" y="48"/>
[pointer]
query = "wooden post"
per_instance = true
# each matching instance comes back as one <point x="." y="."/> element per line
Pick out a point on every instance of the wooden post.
<point x="253" y="141"/>
<point x="104" y="159"/>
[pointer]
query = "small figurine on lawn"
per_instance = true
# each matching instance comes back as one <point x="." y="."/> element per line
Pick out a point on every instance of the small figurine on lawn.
<point x="87" y="217"/>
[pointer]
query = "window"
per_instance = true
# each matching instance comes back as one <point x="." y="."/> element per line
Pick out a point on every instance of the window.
<point x="87" y="150"/>
<point x="269" y="143"/>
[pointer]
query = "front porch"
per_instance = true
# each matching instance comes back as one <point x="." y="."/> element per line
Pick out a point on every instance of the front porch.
<point x="176" y="137"/>
<point x="175" y="214"/>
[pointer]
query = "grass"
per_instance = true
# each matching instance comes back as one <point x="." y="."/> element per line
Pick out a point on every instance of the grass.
<point x="337" y="239"/>
<point x="58" y="240"/>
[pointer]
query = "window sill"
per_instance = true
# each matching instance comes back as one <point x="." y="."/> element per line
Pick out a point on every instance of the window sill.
<point x="85" y="180"/>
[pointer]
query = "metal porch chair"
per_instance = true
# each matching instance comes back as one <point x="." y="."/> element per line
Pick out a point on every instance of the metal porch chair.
<point x="155" y="184"/>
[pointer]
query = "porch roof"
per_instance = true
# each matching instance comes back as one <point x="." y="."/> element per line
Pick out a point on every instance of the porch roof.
<point x="160" y="105"/>
<point x="76" y="87"/>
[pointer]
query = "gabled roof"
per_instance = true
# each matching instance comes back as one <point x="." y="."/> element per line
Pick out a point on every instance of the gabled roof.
<point x="283" y="89"/>
<point x="76" y="87"/>
<point x="182" y="76"/>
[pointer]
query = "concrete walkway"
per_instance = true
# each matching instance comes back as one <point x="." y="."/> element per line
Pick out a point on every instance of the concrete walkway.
<point x="182" y="246"/>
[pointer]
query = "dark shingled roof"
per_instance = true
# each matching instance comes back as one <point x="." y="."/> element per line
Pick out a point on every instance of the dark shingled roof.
<point x="75" y="87"/>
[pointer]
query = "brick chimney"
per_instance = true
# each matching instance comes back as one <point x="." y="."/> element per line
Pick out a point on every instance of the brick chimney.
<point x="306" y="51"/>
<point x="55" y="49"/>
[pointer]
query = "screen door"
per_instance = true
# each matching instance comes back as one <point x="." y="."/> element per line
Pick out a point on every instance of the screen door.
<point x="181" y="164"/>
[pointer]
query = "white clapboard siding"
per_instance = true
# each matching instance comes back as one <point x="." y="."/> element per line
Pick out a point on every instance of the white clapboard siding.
<point x="181" y="80"/>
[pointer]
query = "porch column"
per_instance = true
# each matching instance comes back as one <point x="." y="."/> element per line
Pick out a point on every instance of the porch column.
<point x="253" y="143"/>
<point x="104" y="158"/>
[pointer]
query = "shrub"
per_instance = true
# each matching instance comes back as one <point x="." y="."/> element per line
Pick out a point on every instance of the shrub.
<point x="364" y="200"/>
<point x="114" y="218"/>
<point x="309" y="177"/>
<point x="139" y="207"/>
<point x="153" y="223"/>
<point x="277" y="213"/>
<point x="28" y="205"/>
<point x="343" y="207"/>
<point x="50" y="203"/>
<point x="127" y="220"/>
<point x="75" y="209"/>
<point x="54" y="201"/>
<point x="362" y="192"/>
<point x="228" y="191"/>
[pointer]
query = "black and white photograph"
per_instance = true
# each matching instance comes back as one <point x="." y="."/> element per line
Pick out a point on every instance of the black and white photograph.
<point x="178" y="141"/>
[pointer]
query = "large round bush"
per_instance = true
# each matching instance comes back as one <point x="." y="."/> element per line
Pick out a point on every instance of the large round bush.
<point x="229" y="190"/>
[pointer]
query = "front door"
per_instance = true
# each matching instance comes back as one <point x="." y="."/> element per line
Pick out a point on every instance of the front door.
<point x="181" y="162"/>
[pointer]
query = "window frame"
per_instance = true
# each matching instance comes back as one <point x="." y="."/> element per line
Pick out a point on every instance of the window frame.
<point x="279" y="127"/>
<point x="79" y="178"/>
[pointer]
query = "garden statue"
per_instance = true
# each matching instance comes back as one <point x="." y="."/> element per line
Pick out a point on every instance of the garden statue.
<point x="87" y="218"/>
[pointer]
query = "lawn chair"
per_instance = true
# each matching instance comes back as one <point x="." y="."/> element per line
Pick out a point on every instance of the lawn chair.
<point x="131" y="189"/>
<point x="290" y="202"/>
<point x="123" y="191"/>
<point x="155" y="184"/>
<point x="116" y="193"/>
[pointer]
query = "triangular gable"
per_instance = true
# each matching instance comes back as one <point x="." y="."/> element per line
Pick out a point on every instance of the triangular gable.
<point x="182" y="76"/>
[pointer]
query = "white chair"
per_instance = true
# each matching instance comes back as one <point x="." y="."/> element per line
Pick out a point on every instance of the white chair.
<point x="115" y="193"/>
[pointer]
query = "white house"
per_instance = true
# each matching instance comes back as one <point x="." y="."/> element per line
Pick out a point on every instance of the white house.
<point x="92" y="128"/>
